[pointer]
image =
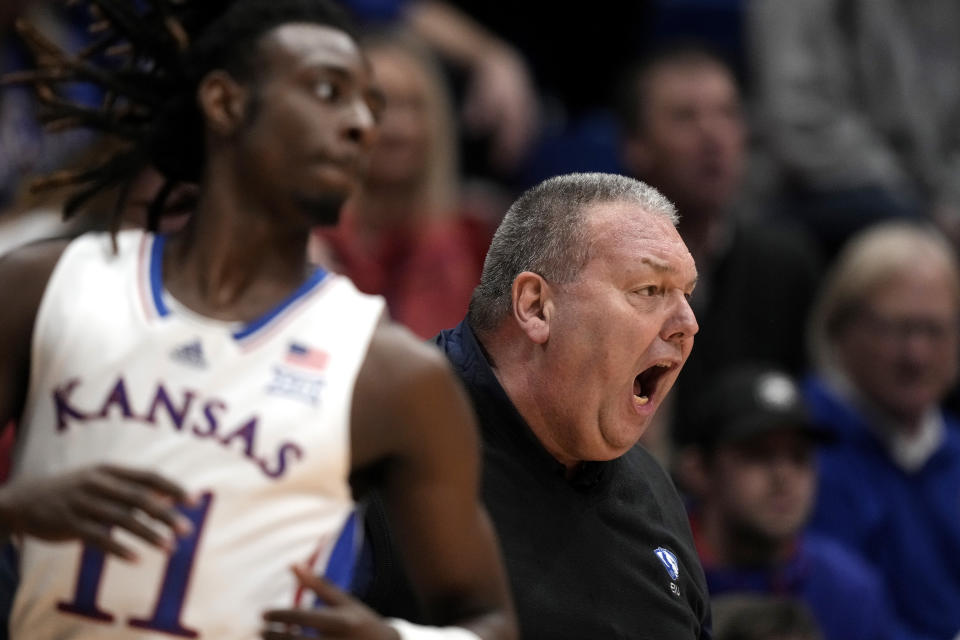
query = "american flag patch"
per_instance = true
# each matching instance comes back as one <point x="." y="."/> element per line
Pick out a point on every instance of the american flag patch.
<point x="306" y="357"/>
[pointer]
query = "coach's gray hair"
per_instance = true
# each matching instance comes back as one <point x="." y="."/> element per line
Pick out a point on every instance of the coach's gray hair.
<point x="544" y="232"/>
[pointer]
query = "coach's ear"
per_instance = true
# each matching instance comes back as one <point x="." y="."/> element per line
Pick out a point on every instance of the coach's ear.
<point x="532" y="305"/>
<point x="223" y="102"/>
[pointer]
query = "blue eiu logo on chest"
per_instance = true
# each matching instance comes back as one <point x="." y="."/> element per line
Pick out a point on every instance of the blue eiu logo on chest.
<point x="669" y="561"/>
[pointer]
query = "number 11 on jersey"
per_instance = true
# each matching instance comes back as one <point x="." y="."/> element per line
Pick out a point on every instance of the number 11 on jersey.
<point x="173" y="588"/>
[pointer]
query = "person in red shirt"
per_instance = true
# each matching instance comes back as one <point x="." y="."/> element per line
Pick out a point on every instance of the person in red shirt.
<point x="403" y="235"/>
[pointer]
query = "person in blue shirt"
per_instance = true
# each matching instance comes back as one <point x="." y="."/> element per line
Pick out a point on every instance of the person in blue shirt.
<point x="886" y="344"/>
<point x="753" y="475"/>
<point x="763" y="617"/>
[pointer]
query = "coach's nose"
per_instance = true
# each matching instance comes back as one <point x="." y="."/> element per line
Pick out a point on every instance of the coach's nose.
<point x="681" y="323"/>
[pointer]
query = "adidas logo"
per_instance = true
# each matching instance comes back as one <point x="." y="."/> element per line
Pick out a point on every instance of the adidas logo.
<point x="191" y="354"/>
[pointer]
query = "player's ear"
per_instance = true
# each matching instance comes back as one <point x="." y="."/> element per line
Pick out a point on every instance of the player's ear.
<point x="223" y="102"/>
<point x="532" y="301"/>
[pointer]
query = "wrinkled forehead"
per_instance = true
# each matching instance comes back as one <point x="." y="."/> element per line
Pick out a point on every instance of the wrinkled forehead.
<point x="628" y="229"/>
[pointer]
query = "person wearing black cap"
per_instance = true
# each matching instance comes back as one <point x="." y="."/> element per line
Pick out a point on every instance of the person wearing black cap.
<point x="753" y="478"/>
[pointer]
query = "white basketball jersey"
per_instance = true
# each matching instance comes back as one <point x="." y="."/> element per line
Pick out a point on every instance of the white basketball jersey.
<point x="252" y="419"/>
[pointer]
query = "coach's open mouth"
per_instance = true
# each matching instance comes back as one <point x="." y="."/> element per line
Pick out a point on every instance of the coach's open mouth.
<point x="646" y="383"/>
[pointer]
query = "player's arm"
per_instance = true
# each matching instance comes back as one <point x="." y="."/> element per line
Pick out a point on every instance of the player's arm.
<point x="83" y="503"/>
<point x="413" y="423"/>
<point x="431" y="481"/>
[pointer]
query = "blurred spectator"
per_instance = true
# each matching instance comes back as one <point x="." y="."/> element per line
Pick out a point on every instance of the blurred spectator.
<point x="499" y="101"/>
<point x="885" y="337"/>
<point x="574" y="54"/>
<point x="25" y="149"/>
<point x="403" y="235"/>
<point x="763" y="618"/>
<point x="754" y="478"/>
<point x="685" y="135"/>
<point x="862" y="108"/>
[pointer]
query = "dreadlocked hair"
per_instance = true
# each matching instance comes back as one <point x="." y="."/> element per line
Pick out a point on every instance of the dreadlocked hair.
<point x="147" y="58"/>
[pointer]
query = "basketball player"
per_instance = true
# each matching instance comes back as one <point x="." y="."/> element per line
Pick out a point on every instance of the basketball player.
<point x="270" y="391"/>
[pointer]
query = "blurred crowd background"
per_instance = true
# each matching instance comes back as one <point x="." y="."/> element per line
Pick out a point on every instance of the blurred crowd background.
<point x="812" y="148"/>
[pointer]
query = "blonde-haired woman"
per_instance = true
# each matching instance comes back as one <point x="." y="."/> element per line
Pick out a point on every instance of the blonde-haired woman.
<point x="403" y="235"/>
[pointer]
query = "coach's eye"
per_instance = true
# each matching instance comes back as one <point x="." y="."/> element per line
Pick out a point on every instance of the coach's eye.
<point x="648" y="291"/>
